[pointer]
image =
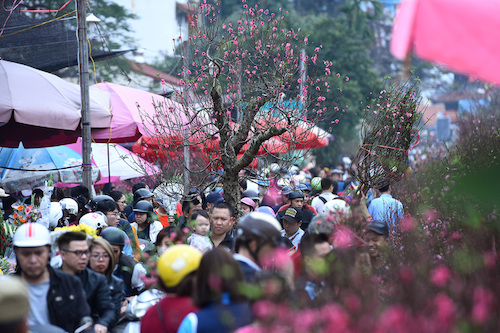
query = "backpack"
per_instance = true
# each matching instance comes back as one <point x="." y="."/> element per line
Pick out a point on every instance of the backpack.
<point x="325" y="201"/>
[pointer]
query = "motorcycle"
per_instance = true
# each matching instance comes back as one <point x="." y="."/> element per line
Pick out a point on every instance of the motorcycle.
<point x="138" y="307"/>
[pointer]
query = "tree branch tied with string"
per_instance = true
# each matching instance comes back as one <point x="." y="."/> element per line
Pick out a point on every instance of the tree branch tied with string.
<point x="390" y="128"/>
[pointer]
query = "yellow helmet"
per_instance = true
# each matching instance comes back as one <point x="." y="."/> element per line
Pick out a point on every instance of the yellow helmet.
<point x="177" y="262"/>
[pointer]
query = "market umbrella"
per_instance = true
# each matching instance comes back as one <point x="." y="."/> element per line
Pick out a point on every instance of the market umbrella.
<point x="26" y="168"/>
<point x="128" y="123"/>
<point x="459" y="34"/>
<point x="302" y="135"/>
<point x="122" y="164"/>
<point x="308" y="137"/>
<point x="41" y="109"/>
<point x="169" y="147"/>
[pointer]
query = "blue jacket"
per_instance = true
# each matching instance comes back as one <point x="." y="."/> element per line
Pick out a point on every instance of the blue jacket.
<point x="386" y="208"/>
<point x="218" y="318"/>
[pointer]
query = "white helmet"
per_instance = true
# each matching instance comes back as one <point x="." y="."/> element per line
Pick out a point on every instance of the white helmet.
<point x="283" y="182"/>
<point x="274" y="168"/>
<point x="298" y="179"/>
<point x="96" y="220"/>
<point x="55" y="214"/>
<point x="31" y="235"/>
<point x="293" y="170"/>
<point x="70" y="205"/>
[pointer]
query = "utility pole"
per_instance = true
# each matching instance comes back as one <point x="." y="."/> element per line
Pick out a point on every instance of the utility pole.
<point x="186" y="130"/>
<point x="83" y="68"/>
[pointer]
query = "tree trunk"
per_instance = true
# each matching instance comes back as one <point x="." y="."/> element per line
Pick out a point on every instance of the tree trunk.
<point x="231" y="188"/>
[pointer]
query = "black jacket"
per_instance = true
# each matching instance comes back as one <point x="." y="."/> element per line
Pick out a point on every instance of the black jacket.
<point x="307" y="216"/>
<point x="124" y="271"/>
<point x="228" y="241"/>
<point x="65" y="300"/>
<point x="98" y="295"/>
<point x="128" y="209"/>
<point x="249" y="272"/>
<point x="117" y="290"/>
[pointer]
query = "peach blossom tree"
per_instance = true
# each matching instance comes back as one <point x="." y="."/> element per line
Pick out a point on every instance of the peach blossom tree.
<point x="245" y="83"/>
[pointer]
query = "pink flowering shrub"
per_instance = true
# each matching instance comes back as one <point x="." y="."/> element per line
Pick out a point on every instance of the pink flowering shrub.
<point x="442" y="268"/>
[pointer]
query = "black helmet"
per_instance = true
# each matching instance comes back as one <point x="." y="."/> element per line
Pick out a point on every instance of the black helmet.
<point x="114" y="236"/>
<point x="106" y="205"/>
<point x="143" y="206"/>
<point x="378" y="226"/>
<point x="258" y="226"/>
<point x="250" y="194"/>
<point x="92" y="205"/>
<point x="295" y="195"/>
<point x="141" y="194"/>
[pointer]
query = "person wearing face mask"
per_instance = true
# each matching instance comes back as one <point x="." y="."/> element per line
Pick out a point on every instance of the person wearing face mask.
<point x="163" y="239"/>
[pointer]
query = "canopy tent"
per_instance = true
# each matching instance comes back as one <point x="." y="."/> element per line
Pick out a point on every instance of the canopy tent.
<point x="133" y="113"/>
<point x="27" y="168"/>
<point x="24" y="168"/>
<point x="39" y="108"/>
<point x="116" y="163"/>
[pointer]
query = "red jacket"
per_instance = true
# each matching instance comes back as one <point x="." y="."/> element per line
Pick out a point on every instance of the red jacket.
<point x="173" y="309"/>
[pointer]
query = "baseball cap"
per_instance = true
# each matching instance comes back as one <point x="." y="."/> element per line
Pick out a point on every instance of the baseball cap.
<point x="295" y="195"/>
<point x="378" y="226"/>
<point x="214" y="197"/>
<point x="262" y="182"/>
<point x="293" y="215"/>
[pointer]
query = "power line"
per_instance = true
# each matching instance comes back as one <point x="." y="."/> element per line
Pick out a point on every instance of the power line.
<point x="37" y="25"/>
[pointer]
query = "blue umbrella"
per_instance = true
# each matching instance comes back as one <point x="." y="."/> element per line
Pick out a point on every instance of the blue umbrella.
<point x="22" y="168"/>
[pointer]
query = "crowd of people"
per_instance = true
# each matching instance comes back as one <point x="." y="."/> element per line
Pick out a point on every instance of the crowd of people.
<point x="208" y="256"/>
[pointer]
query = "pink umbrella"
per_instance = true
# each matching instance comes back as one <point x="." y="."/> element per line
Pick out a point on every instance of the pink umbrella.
<point x="41" y="109"/>
<point x="457" y="33"/>
<point x="115" y="163"/>
<point x="133" y="110"/>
